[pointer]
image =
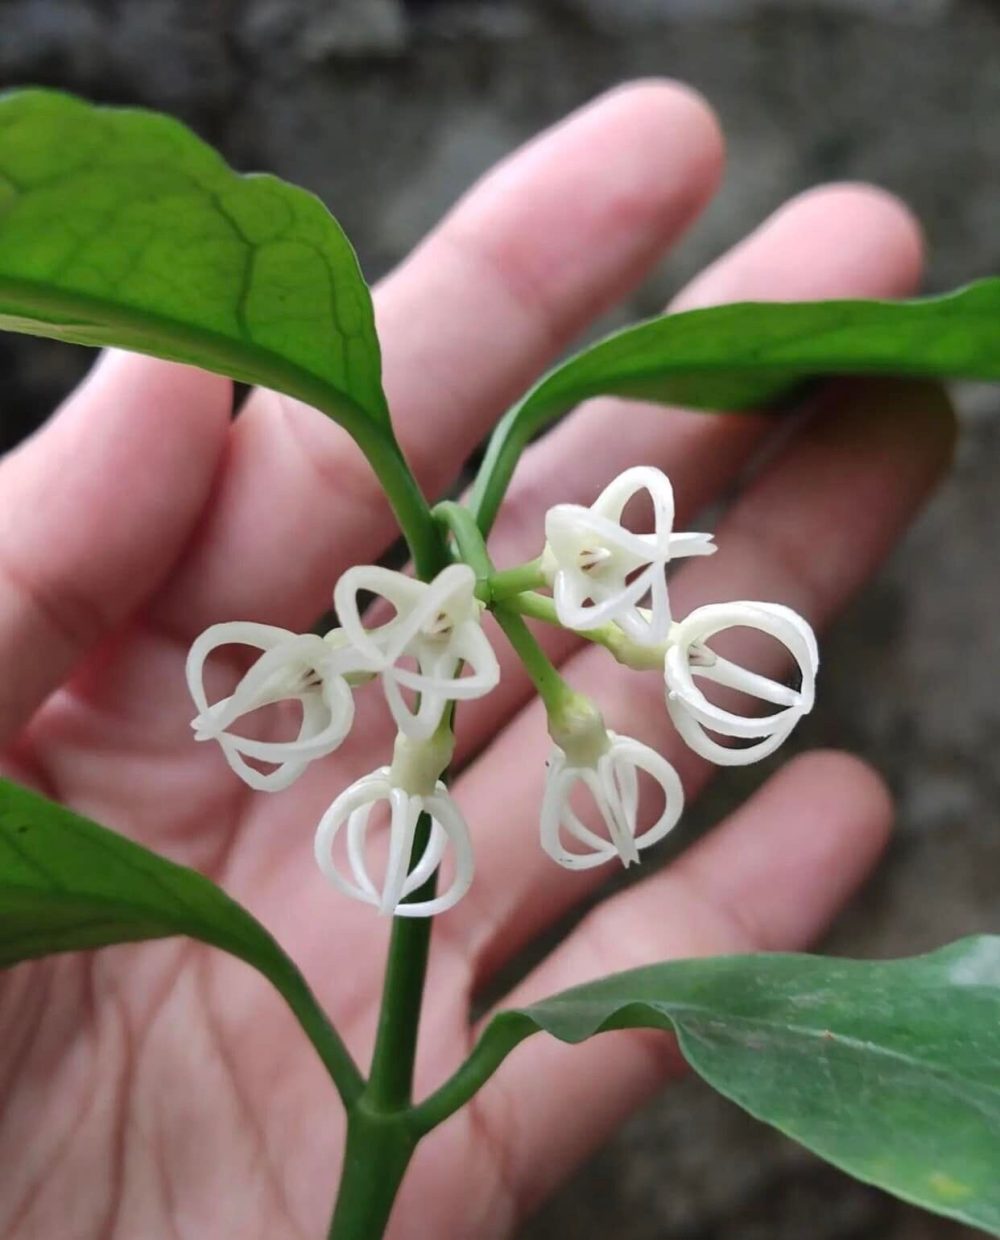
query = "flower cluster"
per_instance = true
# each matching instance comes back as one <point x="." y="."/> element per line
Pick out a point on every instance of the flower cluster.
<point x="432" y="646"/>
<point x="601" y="575"/>
<point x="609" y="584"/>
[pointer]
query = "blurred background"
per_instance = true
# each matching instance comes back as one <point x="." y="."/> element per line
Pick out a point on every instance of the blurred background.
<point x="388" y="109"/>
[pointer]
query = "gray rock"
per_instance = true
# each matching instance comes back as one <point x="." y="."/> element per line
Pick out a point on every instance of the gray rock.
<point x="312" y="31"/>
<point x="641" y="14"/>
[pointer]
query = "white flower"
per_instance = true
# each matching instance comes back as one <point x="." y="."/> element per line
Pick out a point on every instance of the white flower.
<point x="303" y="668"/>
<point x="687" y="657"/>
<point x="354" y="807"/>
<point x="601" y="572"/>
<point x="612" y="780"/>
<point x="437" y="624"/>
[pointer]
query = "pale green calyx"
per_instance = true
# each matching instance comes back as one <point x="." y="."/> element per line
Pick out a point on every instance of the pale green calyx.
<point x="577" y="727"/>
<point x="418" y="765"/>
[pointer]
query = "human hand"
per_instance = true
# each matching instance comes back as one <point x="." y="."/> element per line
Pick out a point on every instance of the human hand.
<point x="163" y="1090"/>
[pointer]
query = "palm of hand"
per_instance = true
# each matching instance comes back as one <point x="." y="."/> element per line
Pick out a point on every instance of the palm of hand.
<point x="152" y="1077"/>
<point x="163" y="1090"/>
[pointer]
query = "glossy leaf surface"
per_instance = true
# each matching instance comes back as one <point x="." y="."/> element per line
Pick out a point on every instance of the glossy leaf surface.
<point x="746" y="355"/>
<point x="120" y="227"/>
<point x="888" y="1069"/>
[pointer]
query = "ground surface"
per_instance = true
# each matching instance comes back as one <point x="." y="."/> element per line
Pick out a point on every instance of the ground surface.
<point x="388" y="110"/>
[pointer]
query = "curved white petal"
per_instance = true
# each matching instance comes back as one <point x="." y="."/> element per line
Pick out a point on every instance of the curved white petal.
<point x="289" y="672"/>
<point x="320" y="732"/>
<point x="446" y="816"/>
<point x="402" y="592"/>
<point x="603" y="571"/>
<point x="692" y="712"/>
<point x="357" y="838"/>
<point x="614" y="786"/>
<point x="354" y="805"/>
<point x="438" y="665"/>
<point x="616" y="495"/>
<point x="607" y="601"/>
<point x="626" y="547"/>
<point x="353" y="809"/>
<point x="404" y="811"/>
<point x="634" y="756"/>
<point x="556" y="815"/>
<point x="436" y="624"/>
<point x="429" y="860"/>
<point x="273" y="781"/>
<point x="231" y="633"/>
<point x="292" y="667"/>
<point x="473" y="648"/>
<point x="419" y="724"/>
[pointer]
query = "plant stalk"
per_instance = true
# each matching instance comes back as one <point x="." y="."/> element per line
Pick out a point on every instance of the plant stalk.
<point x="552" y="689"/>
<point x="458" y="521"/>
<point x="510" y="582"/>
<point x="378" y="1151"/>
<point x="390" y="1081"/>
<point x="380" y="1140"/>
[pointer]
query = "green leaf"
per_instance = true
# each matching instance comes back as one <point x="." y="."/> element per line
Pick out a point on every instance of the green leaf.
<point x="743" y="356"/>
<point x="890" y="1070"/>
<point x="120" y="227"/>
<point x="67" y="884"/>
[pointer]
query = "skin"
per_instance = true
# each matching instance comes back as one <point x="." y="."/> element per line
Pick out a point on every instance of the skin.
<point x="162" y="1090"/>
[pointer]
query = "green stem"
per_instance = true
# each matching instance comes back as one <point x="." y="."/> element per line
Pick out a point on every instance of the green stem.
<point x="405" y="497"/>
<point x="552" y="689"/>
<point x="471" y="547"/>
<point x="390" y="1081"/>
<point x="615" y="640"/>
<point x="382" y="1128"/>
<point x="492" y="586"/>
<point x="380" y="1138"/>
<point x="503" y="1034"/>
<point x="537" y="606"/>
<point x="511" y="581"/>
<point x="378" y="1151"/>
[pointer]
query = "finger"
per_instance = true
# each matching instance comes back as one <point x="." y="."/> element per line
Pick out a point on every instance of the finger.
<point x="770" y="878"/>
<point x="546" y="242"/>
<point x="808" y="531"/>
<point x="837" y="241"/>
<point x="94" y="511"/>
